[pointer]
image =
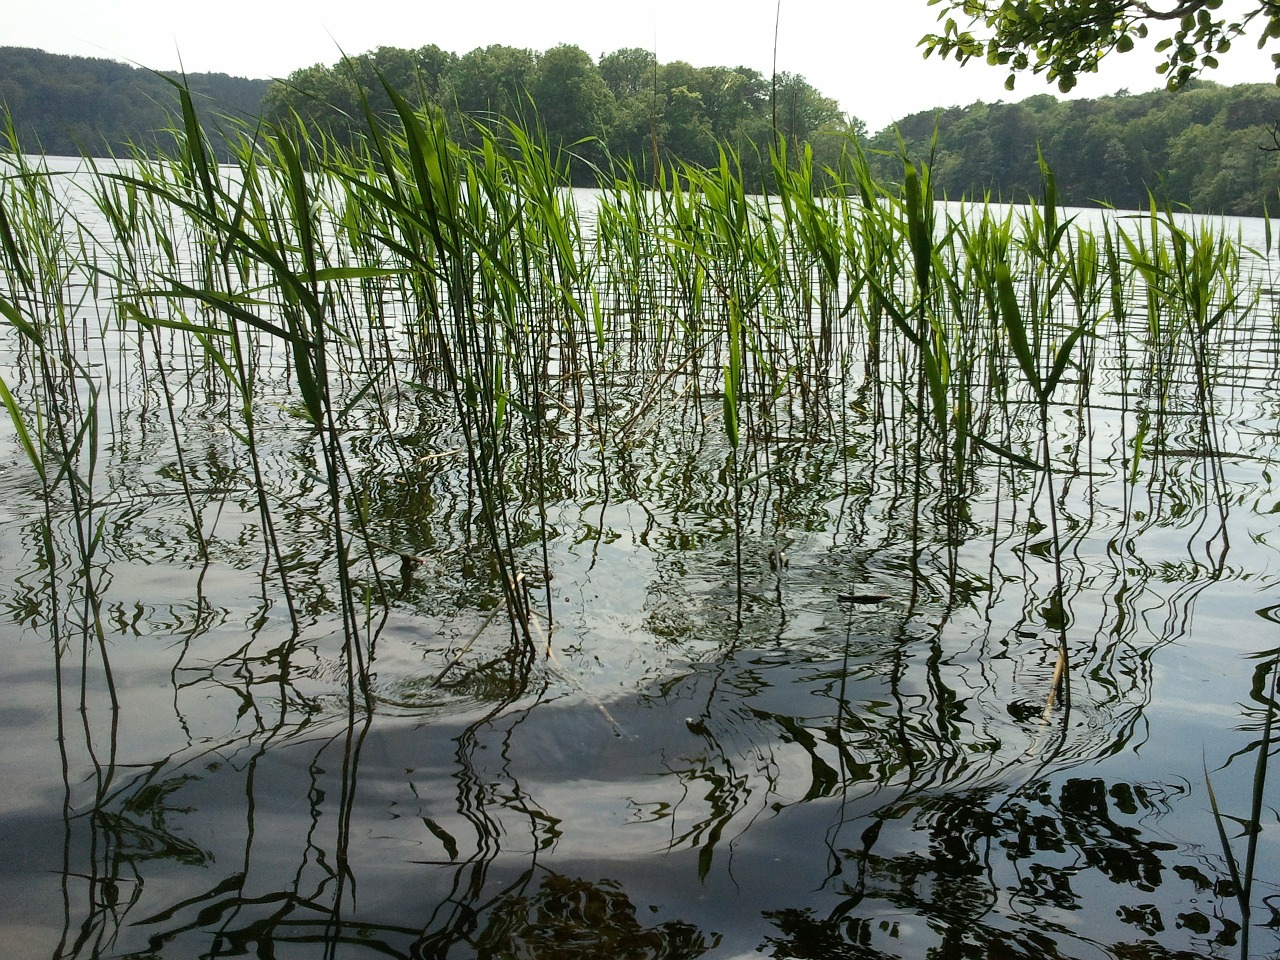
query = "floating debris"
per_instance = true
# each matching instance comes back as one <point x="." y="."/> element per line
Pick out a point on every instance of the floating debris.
<point x="697" y="726"/>
<point x="862" y="597"/>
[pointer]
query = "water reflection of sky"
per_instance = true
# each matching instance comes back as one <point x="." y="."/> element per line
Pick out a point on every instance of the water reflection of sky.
<point x="719" y="759"/>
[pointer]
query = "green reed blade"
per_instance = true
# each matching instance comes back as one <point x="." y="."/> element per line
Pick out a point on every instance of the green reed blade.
<point x="335" y="274"/>
<point x="70" y="449"/>
<point x="730" y="407"/>
<point x="195" y="155"/>
<point x="133" y="312"/>
<point x="936" y="376"/>
<point x="20" y="427"/>
<point x="1218" y="821"/>
<point x="228" y="303"/>
<point x="1016" y="328"/>
<point x="23" y="325"/>
<point x="919" y="226"/>
<point x="16" y="261"/>
<point x="298" y="194"/>
<point x="1266" y="226"/>
<point x="1139" y="441"/>
<point x="1062" y="358"/>
<point x="1260" y="778"/>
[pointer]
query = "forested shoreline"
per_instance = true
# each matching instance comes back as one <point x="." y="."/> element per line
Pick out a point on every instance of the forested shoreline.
<point x="1207" y="147"/>
<point x="66" y="106"/>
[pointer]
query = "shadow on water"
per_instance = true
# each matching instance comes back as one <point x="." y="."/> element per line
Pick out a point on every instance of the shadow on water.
<point x="796" y="804"/>
<point x="833" y="779"/>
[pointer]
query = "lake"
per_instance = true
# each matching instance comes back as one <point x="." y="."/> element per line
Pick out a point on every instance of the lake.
<point x="787" y="681"/>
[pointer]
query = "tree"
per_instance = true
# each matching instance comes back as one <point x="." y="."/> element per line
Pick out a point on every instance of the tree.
<point x="834" y="138"/>
<point x="1065" y="38"/>
<point x="800" y="109"/>
<point x="629" y="72"/>
<point x="573" y="104"/>
<point x="323" y="98"/>
<point x="490" y="82"/>
<point x="333" y="98"/>
<point x="71" y="105"/>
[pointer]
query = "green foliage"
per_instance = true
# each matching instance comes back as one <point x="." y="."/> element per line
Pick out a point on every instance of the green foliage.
<point x="627" y="107"/>
<point x="334" y="98"/>
<point x="1206" y="147"/>
<point x="71" y="105"/>
<point x="1065" y="38"/>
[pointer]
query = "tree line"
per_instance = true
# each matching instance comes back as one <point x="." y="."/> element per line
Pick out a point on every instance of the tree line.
<point x="625" y="107"/>
<point x="67" y="106"/>
<point x="1204" y="146"/>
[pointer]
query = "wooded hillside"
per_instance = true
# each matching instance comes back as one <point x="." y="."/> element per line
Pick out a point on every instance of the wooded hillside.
<point x="624" y="107"/>
<point x="1207" y="147"/>
<point x="70" y="105"/>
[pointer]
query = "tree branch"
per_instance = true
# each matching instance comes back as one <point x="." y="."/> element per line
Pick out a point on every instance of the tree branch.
<point x="1177" y="13"/>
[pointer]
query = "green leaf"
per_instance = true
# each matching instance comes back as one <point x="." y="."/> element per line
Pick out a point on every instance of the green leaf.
<point x="20" y="427"/>
<point x="325" y="274"/>
<point x="231" y="305"/>
<point x="1008" y="454"/>
<point x="133" y="312"/>
<point x="23" y="325"/>
<point x="1016" y="327"/>
<point x="730" y="408"/>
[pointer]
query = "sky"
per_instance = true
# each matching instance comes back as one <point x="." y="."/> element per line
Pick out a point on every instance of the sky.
<point x="862" y="53"/>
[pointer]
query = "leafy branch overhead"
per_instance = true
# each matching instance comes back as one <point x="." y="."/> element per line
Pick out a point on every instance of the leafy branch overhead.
<point x="1065" y="38"/>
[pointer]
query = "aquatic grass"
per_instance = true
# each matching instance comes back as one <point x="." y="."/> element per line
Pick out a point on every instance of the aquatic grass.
<point x="56" y="421"/>
<point x="1194" y="283"/>
<point x="727" y="247"/>
<point x="185" y="229"/>
<point x="911" y="282"/>
<point x="459" y="223"/>
<point x="1042" y="335"/>
<point x="347" y="283"/>
<point x="130" y="224"/>
<point x="812" y="273"/>
<point x="281" y="239"/>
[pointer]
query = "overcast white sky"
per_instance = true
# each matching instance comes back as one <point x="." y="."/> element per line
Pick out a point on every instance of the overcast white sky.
<point x="861" y="52"/>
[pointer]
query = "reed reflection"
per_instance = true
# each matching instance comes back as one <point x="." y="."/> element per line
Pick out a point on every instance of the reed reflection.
<point x="404" y="596"/>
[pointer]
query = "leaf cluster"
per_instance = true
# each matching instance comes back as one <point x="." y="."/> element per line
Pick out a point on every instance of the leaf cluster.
<point x="1063" y="39"/>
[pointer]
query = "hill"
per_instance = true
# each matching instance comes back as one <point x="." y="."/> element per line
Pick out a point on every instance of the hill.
<point x="70" y="105"/>
<point x="1207" y="147"/>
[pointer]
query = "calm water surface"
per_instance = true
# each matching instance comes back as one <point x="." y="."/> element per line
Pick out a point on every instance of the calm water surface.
<point x="851" y="754"/>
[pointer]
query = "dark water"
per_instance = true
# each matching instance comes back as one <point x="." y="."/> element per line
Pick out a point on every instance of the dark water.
<point x="852" y="753"/>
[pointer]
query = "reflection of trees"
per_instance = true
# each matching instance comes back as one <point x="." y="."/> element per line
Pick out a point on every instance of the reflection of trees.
<point x="286" y="862"/>
<point x="1000" y="879"/>
<point x="566" y="918"/>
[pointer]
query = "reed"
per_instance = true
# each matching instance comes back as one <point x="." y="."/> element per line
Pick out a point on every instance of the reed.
<point x="416" y="380"/>
<point x="334" y="283"/>
<point x="1267" y="690"/>
<point x="57" y="422"/>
